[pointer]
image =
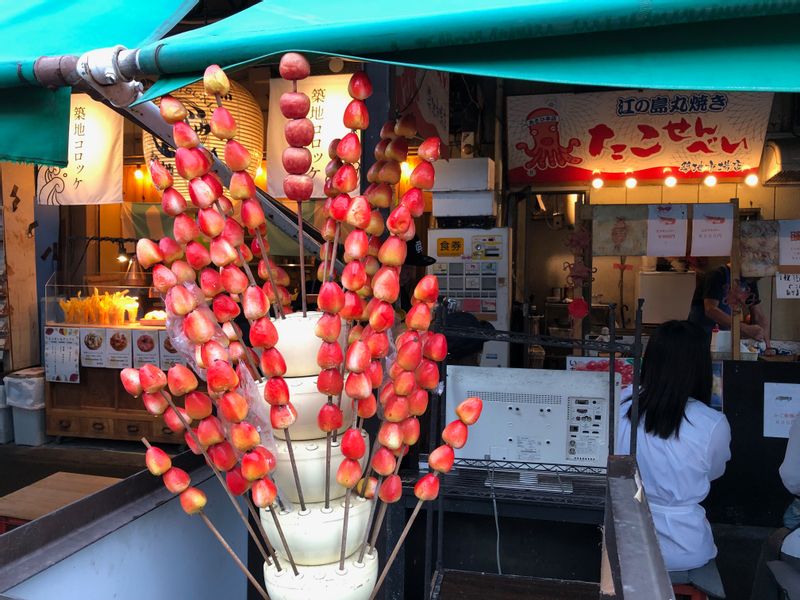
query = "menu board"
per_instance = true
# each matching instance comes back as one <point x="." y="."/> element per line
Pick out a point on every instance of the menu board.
<point x="667" y="227"/>
<point x="62" y="354"/>
<point x="619" y="230"/>
<point x="790" y="242"/>
<point x="712" y="230"/>
<point x="758" y="248"/>
<point x="145" y="347"/>
<point x="92" y="343"/>
<point x="781" y="406"/>
<point x="117" y="349"/>
<point x="168" y="355"/>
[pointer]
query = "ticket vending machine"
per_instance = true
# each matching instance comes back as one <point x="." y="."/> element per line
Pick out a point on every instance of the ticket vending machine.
<point x="473" y="267"/>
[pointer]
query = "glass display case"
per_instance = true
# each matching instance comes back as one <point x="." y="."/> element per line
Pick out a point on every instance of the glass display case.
<point x="102" y="305"/>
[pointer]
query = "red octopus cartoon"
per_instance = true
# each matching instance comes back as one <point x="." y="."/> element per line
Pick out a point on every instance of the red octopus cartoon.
<point x="547" y="151"/>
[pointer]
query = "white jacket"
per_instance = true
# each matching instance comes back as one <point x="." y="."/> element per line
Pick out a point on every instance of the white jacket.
<point x="790" y="475"/>
<point x="677" y="475"/>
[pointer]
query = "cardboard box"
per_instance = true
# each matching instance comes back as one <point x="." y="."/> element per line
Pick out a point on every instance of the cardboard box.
<point x="464" y="175"/>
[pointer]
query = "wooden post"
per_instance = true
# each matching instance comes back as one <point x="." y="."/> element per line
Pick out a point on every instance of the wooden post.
<point x="736" y="274"/>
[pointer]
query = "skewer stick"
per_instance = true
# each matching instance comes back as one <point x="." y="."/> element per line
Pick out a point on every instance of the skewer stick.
<point x="347" y="500"/>
<point x="364" y="544"/>
<point x="302" y="256"/>
<point x="283" y="540"/>
<point x="294" y="469"/>
<point x="254" y="513"/>
<point x="372" y="450"/>
<point x="382" y="511"/>
<point x="332" y="257"/>
<point x="235" y="558"/>
<point x="278" y="306"/>
<point x="221" y="480"/>
<point x="328" y="464"/>
<point x="396" y="549"/>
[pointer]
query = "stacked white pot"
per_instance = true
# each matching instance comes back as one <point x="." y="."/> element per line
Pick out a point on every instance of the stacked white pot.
<point x="314" y="535"/>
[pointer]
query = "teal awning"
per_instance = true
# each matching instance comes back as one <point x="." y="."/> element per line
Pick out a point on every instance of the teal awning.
<point x="34" y="120"/>
<point x="689" y="44"/>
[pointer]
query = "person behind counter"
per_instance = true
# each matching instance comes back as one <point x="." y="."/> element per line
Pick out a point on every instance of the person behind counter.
<point x="710" y="307"/>
<point x="682" y="446"/>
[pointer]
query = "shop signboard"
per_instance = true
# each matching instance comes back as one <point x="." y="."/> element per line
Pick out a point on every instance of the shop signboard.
<point x="790" y="242"/>
<point x="62" y="354"/>
<point x="561" y="138"/>
<point x="329" y="97"/>
<point x="712" y="230"/>
<point x="93" y="174"/>
<point x="667" y="228"/>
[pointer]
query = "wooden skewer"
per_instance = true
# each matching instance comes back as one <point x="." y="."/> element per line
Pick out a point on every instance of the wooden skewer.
<point x="396" y="549"/>
<point x="332" y="257"/>
<point x="254" y="513"/>
<point x="265" y="257"/>
<point x="328" y="437"/>
<point x="382" y="509"/>
<point x="374" y="501"/>
<point x="342" y="552"/>
<point x="283" y="539"/>
<point x="235" y="558"/>
<point x="294" y="469"/>
<point x="221" y="480"/>
<point x="302" y="256"/>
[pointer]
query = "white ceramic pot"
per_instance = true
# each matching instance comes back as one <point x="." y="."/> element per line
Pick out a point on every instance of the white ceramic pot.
<point x="315" y="535"/>
<point x="298" y="344"/>
<point x="310" y="458"/>
<point x="327" y="582"/>
<point x="307" y="401"/>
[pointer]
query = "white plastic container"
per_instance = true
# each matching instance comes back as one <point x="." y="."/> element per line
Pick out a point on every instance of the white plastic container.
<point x="310" y="458"/>
<point x="29" y="427"/>
<point x="315" y="535"/>
<point x="298" y="344"/>
<point x="6" y="426"/>
<point x="327" y="582"/>
<point x="307" y="401"/>
<point x="25" y="388"/>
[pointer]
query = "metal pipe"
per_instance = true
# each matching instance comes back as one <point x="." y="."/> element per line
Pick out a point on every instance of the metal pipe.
<point x="612" y="384"/>
<point x="637" y="361"/>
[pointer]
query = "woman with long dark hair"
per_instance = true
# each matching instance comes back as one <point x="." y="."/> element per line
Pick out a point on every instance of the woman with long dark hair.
<point x="682" y="443"/>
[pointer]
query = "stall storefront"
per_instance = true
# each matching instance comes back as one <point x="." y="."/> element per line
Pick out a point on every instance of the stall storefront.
<point x="562" y="205"/>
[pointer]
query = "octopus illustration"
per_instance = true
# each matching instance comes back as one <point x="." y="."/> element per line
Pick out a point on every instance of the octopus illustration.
<point x="547" y="151"/>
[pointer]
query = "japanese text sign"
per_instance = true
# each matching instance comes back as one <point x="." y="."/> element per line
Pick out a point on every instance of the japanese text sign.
<point x="666" y="230"/>
<point x="93" y="174"/>
<point x="329" y="98"/>
<point x="450" y="247"/>
<point x="565" y="137"/>
<point x="789" y="233"/>
<point x="712" y="230"/>
<point x="781" y="405"/>
<point x="787" y="286"/>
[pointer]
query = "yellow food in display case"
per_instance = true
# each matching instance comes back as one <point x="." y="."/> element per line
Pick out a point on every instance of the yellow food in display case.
<point x="100" y="309"/>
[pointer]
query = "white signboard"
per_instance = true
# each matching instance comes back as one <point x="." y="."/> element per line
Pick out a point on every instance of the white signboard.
<point x="781" y="405"/>
<point x="329" y="98"/>
<point x="169" y="356"/>
<point x="145" y="347"/>
<point x="787" y="285"/>
<point x="789" y="251"/>
<point x="92" y="344"/>
<point x="565" y="137"/>
<point x="93" y="174"/>
<point x="667" y="227"/>
<point x="712" y="230"/>
<point x="62" y="354"/>
<point x="117" y="349"/>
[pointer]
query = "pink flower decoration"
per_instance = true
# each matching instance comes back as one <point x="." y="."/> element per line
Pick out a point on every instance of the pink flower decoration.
<point x="578" y="308"/>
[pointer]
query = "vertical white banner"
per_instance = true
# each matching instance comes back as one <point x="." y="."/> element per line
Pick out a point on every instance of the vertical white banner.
<point x="329" y="98"/>
<point x="712" y="230"/>
<point x="667" y="230"/>
<point x="93" y="174"/>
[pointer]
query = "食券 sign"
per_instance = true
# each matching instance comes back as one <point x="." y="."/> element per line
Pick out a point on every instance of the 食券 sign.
<point x="565" y="137"/>
<point x="93" y="174"/>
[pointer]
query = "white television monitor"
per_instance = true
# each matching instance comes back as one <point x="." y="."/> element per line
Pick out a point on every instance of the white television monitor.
<point x="535" y="415"/>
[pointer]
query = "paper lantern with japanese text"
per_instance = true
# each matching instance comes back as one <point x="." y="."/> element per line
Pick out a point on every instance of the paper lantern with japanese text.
<point x="243" y="107"/>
